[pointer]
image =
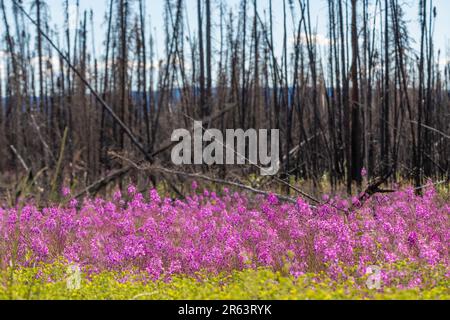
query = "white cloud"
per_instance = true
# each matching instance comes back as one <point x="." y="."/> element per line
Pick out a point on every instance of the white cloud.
<point x="443" y="62"/>
<point x="318" y="39"/>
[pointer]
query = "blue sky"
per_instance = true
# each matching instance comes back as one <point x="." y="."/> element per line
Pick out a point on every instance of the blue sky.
<point x="318" y="14"/>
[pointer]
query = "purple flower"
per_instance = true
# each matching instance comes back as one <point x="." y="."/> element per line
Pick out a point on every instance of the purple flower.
<point x="234" y="231"/>
<point x="65" y="192"/>
<point x="117" y="196"/>
<point x="364" y="172"/>
<point x="132" y="190"/>
<point x="272" y="199"/>
<point x="154" y="196"/>
<point x="412" y="239"/>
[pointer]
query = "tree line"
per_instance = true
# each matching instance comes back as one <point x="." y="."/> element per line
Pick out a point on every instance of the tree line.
<point x="362" y="102"/>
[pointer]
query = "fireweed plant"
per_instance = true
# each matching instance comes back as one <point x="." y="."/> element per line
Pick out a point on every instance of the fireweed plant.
<point x="161" y="239"/>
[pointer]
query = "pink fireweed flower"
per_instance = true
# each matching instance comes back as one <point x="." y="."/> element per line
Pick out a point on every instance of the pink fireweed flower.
<point x="117" y="196"/>
<point x="154" y="196"/>
<point x="73" y="203"/>
<point x="364" y="172"/>
<point x="132" y="190"/>
<point x="412" y="239"/>
<point x="272" y="199"/>
<point x="231" y="232"/>
<point x="356" y="202"/>
<point x="65" y="191"/>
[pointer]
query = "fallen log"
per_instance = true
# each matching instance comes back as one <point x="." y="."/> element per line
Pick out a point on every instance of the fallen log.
<point x="99" y="184"/>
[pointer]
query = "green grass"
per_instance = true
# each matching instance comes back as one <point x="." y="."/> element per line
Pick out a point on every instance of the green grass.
<point x="48" y="282"/>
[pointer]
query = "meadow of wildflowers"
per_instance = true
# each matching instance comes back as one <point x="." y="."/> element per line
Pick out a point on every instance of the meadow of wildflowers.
<point x="161" y="240"/>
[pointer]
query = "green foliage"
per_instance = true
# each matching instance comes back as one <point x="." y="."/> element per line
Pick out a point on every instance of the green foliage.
<point x="48" y="282"/>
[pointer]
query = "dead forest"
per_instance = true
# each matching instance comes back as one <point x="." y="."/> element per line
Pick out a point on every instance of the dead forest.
<point x="368" y="101"/>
